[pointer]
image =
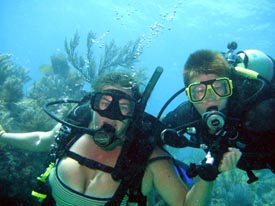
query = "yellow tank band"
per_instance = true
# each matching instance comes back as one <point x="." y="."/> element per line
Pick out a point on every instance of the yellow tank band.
<point x="43" y="177"/>
<point x="39" y="196"/>
<point x="247" y="72"/>
<point x="2" y="132"/>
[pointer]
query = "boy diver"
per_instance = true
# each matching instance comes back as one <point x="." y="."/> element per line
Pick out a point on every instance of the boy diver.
<point x="225" y="110"/>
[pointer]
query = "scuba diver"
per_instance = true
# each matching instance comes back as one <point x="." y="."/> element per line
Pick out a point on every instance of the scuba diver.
<point x="106" y="152"/>
<point x="231" y="104"/>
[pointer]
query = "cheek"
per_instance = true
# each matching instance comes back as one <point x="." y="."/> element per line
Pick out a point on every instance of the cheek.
<point x="201" y="108"/>
<point x="222" y="104"/>
<point x="97" y="121"/>
<point x="122" y="126"/>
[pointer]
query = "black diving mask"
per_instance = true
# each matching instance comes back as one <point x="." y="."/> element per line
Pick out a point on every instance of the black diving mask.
<point x="113" y="104"/>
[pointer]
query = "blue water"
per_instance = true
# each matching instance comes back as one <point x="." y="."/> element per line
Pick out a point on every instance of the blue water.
<point x="34" y="30"/>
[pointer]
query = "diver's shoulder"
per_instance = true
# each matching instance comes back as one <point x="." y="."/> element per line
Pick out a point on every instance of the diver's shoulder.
<point x="181" y="110"/>
<point x="184" y="106"/>
<point x="159" y="152"/>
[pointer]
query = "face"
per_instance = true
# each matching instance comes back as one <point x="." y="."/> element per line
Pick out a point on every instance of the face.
<point x="211" y="98"/>
<point x="124" y="106"/>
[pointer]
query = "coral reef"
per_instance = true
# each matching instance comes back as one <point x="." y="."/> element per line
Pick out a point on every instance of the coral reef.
<point x="14" y="167"/>
<point x="113" y="57"/>
<point x="59" y="81"/>
<point x="12" y="79"/>
<point x="19" y="170"/>
<point x="231" y="189"/>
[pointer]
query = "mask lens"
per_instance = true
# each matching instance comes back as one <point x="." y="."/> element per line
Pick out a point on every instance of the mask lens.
<point x="113" y="104"/>
<point x="222" y="87"/>
<point x="197" y="92"/>
<point x="102" y="102"/>
<point x="126" y="107"/>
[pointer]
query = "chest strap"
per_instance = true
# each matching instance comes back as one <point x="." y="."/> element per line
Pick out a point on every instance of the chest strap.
<point x="92" y="164"/>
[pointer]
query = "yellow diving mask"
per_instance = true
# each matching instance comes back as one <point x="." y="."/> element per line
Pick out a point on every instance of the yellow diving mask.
<point x="197" y="91"/>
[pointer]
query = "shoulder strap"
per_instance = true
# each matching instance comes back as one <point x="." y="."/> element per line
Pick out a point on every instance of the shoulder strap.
<point x="133" y="159"/>
<point x="89" y="162"/>
<point x="138" y="156"/>
<point x="135" y="193"/>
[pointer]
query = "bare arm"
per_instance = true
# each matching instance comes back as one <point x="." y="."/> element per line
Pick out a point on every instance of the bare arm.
<point x="173" y="190"/>
<point x="32" y="141"/>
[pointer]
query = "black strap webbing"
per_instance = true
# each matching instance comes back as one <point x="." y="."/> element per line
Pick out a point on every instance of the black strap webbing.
<point x="92" y="164"/>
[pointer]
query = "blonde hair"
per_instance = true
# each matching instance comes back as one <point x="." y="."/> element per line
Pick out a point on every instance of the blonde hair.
<point x="122" y="79"/>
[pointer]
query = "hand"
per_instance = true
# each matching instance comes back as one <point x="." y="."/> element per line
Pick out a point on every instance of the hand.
<point x="230" y="159"/>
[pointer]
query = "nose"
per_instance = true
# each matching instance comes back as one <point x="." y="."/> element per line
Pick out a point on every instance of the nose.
<point x="210" y="94"/>
<point x="109" y="121"/>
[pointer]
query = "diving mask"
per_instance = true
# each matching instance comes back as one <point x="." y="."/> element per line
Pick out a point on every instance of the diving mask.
<point x="113" y="104"/>
<point x="197" y="91"/>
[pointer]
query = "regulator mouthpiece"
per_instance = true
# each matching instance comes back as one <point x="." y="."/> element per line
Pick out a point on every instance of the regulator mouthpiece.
<point x="104" y="136"/>
<point x="213" y="118"/>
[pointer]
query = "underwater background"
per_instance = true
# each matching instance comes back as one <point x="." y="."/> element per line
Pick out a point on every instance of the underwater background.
<point x="51" y="50"/>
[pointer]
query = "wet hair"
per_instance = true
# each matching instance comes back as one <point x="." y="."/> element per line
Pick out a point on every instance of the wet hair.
<point x="205" y="62"/>
<point x="122" y="79"/>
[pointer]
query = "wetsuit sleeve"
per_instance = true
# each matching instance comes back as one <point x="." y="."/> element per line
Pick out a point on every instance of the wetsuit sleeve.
<point x="183" y="114"/>
<point x="260" y="118"/>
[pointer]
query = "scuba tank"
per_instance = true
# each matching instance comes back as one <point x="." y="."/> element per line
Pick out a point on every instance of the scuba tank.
<point x="259" y="62"/>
